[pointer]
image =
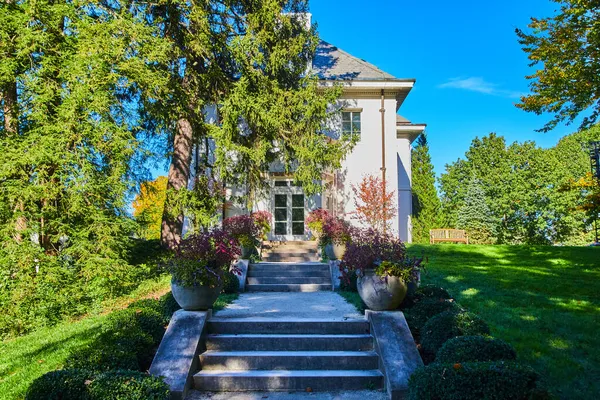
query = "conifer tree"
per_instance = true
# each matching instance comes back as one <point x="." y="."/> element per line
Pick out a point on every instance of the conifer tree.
<point x="426" y="206"/>
<point x="475" y="216"/>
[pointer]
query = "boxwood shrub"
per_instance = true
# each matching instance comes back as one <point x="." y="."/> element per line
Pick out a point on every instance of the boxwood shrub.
<point x="128" y="385"/>
<point x="124" y="321"/>
<point x="431" y="292"/>
<point x="475" y="349"/>
<point x="60" y="385"/>
<point x="448" y="325"/>
<point x="101" y="357"/>
<point x="165" y="306"/>
<point x="421" y="312"/>
<point x="474" y="381"/>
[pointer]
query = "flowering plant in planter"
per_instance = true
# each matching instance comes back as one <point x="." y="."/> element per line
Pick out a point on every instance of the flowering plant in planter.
<point x="244" y="229"/>
<point x="202" y="259"/>
<point x="262" y="220"/>
<point x="316" y="220"/>
<point x="384" y="269"/>
<point x="336" y="231"/>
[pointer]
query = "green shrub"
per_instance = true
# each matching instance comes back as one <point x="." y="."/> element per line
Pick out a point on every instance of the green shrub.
<point x="165" y="306"/>
<point x="475" y="349"/>
<point x="169" y="305"/>
<point x="474" y="381"/>
<point x="231" y="283"/>
<point x="124" y="321"/>
<point x="59" y="385"/>
<point x="421" y="312"/>
<point x="102" y="357"/>
<point x="128" y="385"/>
<point x="431" y="292"/>
<point x="448" y="325"/>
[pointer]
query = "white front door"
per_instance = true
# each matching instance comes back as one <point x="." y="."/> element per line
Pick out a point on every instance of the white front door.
<point x="289" y="211"/>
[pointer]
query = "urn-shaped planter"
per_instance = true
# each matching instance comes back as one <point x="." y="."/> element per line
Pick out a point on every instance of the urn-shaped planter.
<point x="335" y="251"/>
<point x="195" y="298"/>
<point x="381" y="293"/>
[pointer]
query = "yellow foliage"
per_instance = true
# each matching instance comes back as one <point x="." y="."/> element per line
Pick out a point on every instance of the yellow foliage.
<point x="148" y="207"/>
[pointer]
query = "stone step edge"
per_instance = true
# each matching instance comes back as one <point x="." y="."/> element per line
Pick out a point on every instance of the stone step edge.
<point x="292" y="373"/>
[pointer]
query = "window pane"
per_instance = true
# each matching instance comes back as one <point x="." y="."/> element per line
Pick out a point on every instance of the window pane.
<point x="298" y="200"/>
<point x="356" y="128"/>
<point x="356" y="117"/>
<point x="281" y="214"/>
<point x="281" y="183"/>
<point x="297" y="214"/>
<point x="346" y="116"/>
<point x="280" y="228"/>
<point x="280" y="200"/>
<point x="298" y="228"/>
<point x="347" y="127"/>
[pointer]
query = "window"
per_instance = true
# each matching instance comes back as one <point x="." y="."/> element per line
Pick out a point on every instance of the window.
<point x="351" y="123"/>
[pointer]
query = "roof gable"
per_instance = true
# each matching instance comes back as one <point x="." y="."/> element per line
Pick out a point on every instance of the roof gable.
<point x="331" y="63"/>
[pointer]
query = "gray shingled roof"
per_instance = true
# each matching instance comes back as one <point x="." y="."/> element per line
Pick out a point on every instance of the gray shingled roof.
<point x="331" y="63"/>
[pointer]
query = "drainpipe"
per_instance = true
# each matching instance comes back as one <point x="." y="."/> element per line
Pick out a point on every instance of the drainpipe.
<point x="382" y="111"/>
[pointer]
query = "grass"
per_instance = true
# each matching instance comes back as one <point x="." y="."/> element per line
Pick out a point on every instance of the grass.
<point x="354" y="299"/>
<point x="545" y="301"/>
<point x="24" y="359"/>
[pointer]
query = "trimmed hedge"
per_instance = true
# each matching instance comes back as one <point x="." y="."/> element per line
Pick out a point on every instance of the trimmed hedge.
<point x="231" y="283"/>
<point x="123" y="322"/>
<point x="102" y="357"/>
<point x="165" y="306"/>
<point x="421" y="312"/>
<point x="128" y="385"/>
<point x="475" y="349"/>
<point x="474" y="381"/>
<point x="448" y="325"/>
<point x="60" y="385"/>
<point x="431" y="292"/>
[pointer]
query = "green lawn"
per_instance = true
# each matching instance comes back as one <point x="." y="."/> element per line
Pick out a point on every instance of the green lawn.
<point x="545" y="301"/>
<point x="25" y="358"/>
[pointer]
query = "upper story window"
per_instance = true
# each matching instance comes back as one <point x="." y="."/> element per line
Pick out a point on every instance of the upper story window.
<point x="351" y="123"/>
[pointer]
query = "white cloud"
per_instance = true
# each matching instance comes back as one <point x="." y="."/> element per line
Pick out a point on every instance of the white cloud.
<point x="479" y="85"/>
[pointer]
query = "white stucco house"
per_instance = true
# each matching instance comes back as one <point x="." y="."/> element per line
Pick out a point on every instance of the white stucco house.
<point x="370" y="104"/>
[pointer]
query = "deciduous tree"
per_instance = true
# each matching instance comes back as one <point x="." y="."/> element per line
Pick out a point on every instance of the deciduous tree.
<point x="374" y="204"/>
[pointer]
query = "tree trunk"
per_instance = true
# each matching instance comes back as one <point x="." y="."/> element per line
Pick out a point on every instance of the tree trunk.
<point x="10" y="108"/>
<point x="179" y="174"/>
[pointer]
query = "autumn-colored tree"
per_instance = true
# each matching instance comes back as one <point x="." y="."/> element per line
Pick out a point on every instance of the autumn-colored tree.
<point x="148" y="207"/>
<point x="374" y="203"/>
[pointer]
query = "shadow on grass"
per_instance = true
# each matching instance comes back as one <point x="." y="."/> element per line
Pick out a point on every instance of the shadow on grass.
<point x="544" y="300"/>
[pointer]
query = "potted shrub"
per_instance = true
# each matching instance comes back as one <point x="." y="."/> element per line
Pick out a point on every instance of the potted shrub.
<point x="262" y="220"/>
<point x="336" y="233"/>
<point x="315" y="221"/>
<point x="383" y="268"/>
<point x="245" y="230"/>
<point x="198" y="267"/>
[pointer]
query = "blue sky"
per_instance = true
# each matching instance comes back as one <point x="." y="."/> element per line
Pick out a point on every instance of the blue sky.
<point x="469" y="67"/>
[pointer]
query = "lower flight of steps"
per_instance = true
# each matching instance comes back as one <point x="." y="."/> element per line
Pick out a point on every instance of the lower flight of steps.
<point x="296" y="251"/>
<point x="288" y="277"/>
<point x="288" y="355"/>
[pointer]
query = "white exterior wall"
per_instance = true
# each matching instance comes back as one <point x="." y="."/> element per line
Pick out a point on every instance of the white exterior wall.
<point x="365" y="159"/>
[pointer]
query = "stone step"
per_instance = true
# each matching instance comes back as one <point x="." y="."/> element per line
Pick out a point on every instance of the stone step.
<point x="288" y="342"/>
<point x="290" y="259"/>
<point x="269" y="280"/>
<point x="305" y="272"/>
<point x="290" y="250"/>
<point x="287" y="326"/>
<point x="288" y="266"/>
<point x="306" y="244"/>
<point x="293" y="380"/>
<point x="289" y="360"/>
<point x="312" y="287"/>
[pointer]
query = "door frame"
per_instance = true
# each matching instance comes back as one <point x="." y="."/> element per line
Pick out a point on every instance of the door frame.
<point x="289" y="191"/>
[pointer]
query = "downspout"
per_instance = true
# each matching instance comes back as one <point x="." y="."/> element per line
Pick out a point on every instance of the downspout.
<point x="382" y="111"/>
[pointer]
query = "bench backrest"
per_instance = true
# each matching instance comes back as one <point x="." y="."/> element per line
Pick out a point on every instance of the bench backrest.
<point x="448" y="234"/>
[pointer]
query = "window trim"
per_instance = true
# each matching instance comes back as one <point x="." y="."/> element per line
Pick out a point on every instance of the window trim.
<point x="352" y="112"/>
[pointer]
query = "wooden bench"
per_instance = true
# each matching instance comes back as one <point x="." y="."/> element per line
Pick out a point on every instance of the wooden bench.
<point x="448" y="235"/>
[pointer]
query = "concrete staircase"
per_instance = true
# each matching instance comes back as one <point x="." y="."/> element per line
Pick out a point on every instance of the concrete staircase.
<point x="293" y="251"/>
<point x="288" y="277"/>
<point x="288" y="355"/>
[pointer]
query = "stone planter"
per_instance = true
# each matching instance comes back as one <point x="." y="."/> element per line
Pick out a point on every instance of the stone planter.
<point x="379" y="294"/>
<point x="335" y="251"/>
<point x="195" y="298"/>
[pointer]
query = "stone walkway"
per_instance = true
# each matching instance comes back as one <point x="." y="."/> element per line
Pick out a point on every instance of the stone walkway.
<point x="350" y="395"/>
<point x="290" y="305"/>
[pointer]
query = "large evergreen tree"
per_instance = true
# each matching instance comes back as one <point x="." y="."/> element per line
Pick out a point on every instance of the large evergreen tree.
<point x="426" y="206"/>
<point x="475" y="216"/>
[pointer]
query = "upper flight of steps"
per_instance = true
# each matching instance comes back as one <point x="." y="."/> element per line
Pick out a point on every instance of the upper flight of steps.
<point x="288" y="277"/>
<point x="290" y="251"/>
<point x="288" y="355"/>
